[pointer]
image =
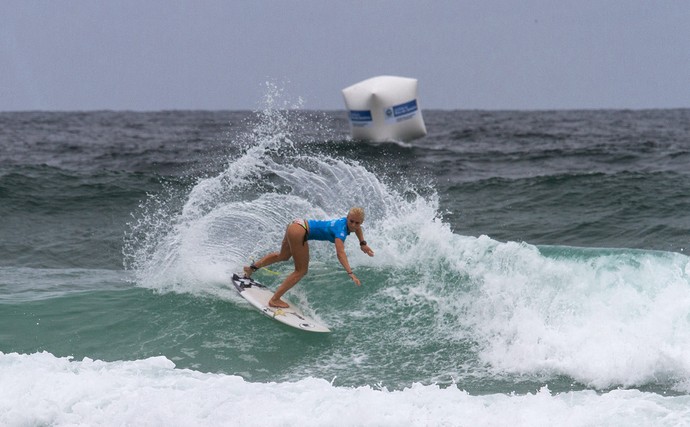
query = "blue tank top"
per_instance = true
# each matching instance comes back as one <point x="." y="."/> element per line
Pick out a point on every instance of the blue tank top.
<point x="329" y="229"/>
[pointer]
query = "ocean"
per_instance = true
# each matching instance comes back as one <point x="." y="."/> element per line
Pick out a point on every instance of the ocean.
<point x="531" y="269"/>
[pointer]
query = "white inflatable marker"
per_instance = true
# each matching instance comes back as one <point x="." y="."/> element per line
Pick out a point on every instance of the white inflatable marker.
<point x="384" y="108"/>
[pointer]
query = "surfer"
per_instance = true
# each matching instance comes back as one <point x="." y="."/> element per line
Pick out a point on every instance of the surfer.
<point x="295" y="245"/>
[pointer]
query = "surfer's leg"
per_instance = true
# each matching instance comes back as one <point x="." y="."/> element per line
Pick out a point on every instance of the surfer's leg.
<point x="271" y="258"/>
<point x="299" y="249"/>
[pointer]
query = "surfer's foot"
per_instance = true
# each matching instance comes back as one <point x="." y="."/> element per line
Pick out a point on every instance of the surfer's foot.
<point x="278" y="303"/>
<point x="248" y="271"/>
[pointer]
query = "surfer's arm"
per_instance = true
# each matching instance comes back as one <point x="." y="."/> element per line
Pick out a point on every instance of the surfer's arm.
<point x="342" y="257"/>
<point x="364" y="247"/>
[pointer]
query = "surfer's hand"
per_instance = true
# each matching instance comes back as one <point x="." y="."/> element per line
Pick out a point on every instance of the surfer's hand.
<point x="355" y="279"/>
<point x="367" y="250"/>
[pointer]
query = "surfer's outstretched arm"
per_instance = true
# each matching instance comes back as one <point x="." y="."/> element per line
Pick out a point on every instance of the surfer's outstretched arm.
<point x="342" y="257"/>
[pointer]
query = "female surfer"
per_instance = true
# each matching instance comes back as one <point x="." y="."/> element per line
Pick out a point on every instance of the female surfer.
<point x="295" y="244"/>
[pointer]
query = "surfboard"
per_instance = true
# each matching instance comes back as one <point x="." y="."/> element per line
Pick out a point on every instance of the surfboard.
<point x="258" y="296"/>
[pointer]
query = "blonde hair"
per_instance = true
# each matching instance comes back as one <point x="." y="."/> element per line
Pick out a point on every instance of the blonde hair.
<point x="357" y="211"/>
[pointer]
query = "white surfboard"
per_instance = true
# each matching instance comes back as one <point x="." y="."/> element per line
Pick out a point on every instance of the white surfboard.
<point x="258" y="296"/>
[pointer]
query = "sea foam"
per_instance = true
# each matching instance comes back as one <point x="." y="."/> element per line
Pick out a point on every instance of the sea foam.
<point x="42" y="389"/>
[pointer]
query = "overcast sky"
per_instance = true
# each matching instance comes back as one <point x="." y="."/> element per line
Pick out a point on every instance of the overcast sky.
<point x="481" y="54"/>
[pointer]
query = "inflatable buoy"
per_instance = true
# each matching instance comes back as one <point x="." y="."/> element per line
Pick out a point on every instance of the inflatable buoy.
<point x="384" y="108"/>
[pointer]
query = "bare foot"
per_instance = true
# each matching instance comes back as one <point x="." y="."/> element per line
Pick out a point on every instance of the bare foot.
<point x="278" y="304"/>
<point x="247" y="271"/>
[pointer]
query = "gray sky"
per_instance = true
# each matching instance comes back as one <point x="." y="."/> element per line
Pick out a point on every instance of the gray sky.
<point x="481" y="54"/>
